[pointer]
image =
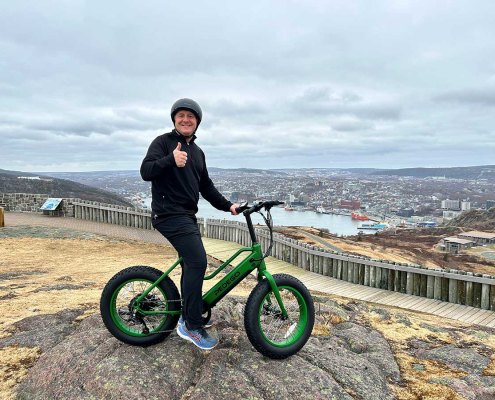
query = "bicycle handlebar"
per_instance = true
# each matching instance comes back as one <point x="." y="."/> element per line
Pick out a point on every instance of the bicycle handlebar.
<point x="246" y="211"/>
<point x="257" y="207"/>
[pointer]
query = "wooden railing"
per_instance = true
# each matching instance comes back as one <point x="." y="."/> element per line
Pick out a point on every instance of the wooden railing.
<point x="117" y="215"/>
<point x="459" y="287"/>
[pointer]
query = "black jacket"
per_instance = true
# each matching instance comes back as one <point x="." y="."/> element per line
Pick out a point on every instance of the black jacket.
<point x="175" y="191"/>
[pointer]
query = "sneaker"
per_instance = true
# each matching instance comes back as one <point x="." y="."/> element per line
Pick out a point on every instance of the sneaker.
<point x="198" y="336"/>
<point x="209" y="324"/>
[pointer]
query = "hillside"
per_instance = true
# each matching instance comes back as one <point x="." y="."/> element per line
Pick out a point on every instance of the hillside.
<point x="10" y="183"/>
<point x="474" y="172"/>
<point x="476" y="219"/>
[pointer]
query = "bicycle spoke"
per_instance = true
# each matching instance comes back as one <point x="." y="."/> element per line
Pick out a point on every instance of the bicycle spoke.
<point x="153" y="301"/>
<point x="275" y="327"/>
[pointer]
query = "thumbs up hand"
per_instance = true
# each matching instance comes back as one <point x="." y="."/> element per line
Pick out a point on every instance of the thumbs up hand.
<point x="180" y="156"/>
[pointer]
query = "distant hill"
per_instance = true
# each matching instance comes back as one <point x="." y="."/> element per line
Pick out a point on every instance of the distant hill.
<point x="476" y="219"/>
<point x="16" y="173"/>
<point x="245" y="170"/>
<point x="54" y="187"/>
<point x="474" y="172"/>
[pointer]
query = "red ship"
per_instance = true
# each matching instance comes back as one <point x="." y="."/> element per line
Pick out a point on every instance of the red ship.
<point x="359" y="216"/>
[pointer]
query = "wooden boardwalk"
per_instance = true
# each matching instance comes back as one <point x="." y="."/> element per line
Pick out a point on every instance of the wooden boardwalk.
<point x="222" y="250"/>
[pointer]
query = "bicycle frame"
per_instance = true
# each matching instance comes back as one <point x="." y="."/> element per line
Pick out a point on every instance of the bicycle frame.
<point x="231" y="280"/>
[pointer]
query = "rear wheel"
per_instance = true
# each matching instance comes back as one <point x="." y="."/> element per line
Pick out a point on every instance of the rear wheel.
<point x="124" y="321"/>
<point x="272" y="334"/>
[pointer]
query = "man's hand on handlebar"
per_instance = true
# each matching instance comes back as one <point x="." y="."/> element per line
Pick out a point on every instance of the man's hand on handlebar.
<point x="236" y="209"/>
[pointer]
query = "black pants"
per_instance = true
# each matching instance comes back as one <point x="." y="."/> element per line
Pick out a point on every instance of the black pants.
<point x="183" y="233"/>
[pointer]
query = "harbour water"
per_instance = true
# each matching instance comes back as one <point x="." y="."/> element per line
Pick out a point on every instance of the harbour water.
<point x="336" y="224"/>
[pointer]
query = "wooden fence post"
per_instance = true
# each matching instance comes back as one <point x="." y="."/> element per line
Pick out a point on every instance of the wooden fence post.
<point x="430" y="286"/>
<point x="492" y="295"/>
<point x="469" y="291"/>
<point x="453" y="288"/>
<point x="485" y="294"/>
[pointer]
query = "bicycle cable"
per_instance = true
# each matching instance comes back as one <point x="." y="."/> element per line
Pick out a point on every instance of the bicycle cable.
<point x="269" y="223"/>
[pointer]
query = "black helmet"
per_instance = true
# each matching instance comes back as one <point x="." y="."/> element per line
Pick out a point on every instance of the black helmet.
<point x="186" y="104"/>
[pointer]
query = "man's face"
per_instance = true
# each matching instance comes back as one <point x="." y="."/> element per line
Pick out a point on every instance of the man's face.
<point x="185" y="122"/>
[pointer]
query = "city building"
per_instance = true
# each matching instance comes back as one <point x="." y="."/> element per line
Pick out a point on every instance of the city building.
<point x="451" y="204"/>
<point x="452" y="244"/>
<point x="478" y="237"/>
<point x="406" y="212"/>
<point x="350" y="204"/>
<point x="456" y="205"/>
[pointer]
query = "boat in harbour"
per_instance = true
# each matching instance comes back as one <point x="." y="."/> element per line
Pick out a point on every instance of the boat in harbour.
<point x="381" y="225"/>
<point x="359" y="216"/>
<point x="288" y="208"/>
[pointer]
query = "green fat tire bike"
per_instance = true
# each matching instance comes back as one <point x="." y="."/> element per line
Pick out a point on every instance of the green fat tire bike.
<point x="141" y="305"/>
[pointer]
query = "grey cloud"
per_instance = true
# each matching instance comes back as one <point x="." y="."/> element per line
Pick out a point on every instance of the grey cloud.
<point x="326" y="102"/>
<point x="483" y="96"/>
<point x="281" y="83"/>
<point x="351" y="126"/>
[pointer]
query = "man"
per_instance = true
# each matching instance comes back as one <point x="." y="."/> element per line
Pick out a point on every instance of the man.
<point x="177" y="169"/>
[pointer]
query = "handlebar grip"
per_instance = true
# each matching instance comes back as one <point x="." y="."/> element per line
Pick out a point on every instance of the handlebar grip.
<point x="271" y="203"/>
<point x="241" y="208"/>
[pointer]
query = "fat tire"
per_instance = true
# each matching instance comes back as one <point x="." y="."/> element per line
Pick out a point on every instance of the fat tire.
<point x="144" y="272"/>
<point x="251" y="317"/>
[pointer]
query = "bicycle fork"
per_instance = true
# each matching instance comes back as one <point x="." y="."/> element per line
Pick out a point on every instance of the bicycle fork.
<point x="263" y="273"/>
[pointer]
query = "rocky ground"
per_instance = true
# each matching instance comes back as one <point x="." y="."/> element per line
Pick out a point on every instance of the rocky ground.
<point x="53" y="344"/>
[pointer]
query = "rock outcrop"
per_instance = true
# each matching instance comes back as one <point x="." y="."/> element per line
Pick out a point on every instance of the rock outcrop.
<point x="346" y="358"/>
<point x="90" y="363"/>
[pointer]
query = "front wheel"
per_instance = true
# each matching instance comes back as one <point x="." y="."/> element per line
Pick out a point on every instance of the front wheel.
<point x="128" y="324"/>
<point x="272" y="334"/>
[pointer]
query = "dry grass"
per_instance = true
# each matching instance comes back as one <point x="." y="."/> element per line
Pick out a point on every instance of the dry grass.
<point x="14" y="364"/>
<point x="321" y="329"/>
<point x="85" y="261"/>
<point x="416" y="384"/>
<point x="490" y="369"/>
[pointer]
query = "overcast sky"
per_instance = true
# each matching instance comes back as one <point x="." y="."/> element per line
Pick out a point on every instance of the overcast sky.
<point x="87" y="85"/>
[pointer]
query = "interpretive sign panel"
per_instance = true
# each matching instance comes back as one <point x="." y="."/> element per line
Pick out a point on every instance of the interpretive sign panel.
<point x="51" y="204"/>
